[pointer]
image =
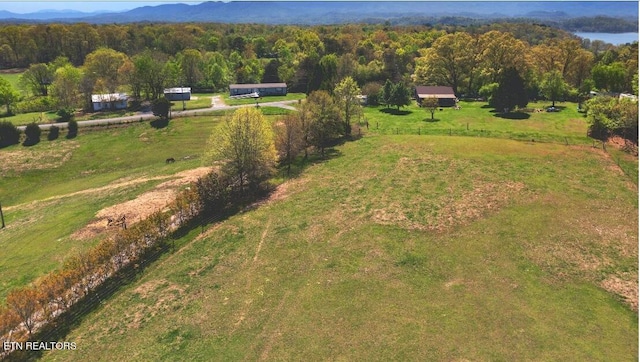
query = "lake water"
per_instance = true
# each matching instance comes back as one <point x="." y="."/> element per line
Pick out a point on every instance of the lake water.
<point x="615" y="39"/>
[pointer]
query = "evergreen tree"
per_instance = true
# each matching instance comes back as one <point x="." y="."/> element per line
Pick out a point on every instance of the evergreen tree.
<point x="385" y="93"/>
<point x="400" y="95"/>
<point x="511" y="91"/>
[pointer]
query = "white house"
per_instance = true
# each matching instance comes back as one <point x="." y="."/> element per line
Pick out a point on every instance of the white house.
<point x="178" y="94"/>
<point x="263" y="89"/>
<point x="109" y="101"/>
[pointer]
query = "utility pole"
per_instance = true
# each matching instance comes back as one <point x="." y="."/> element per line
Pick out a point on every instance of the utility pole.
<point x="1" y="217"/>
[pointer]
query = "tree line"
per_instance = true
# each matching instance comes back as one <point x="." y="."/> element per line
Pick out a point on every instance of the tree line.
<point x="68" y="62"/>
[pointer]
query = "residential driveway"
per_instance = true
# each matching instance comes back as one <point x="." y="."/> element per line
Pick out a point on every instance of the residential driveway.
<point x="216" y="105"/>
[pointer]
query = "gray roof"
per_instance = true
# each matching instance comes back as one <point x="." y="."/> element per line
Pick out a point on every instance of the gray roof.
<point x="259" y="85"/>
<point x="178" y="90"/>
<point x="112" y="97"/>
<point x="435" y="91"/>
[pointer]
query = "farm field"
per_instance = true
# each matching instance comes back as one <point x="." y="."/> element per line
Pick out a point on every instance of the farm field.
<point x="470" y="234"/>
<point x="481" y="121"/>
<point x="400" y="248"/>
<point x="34" y="181"/>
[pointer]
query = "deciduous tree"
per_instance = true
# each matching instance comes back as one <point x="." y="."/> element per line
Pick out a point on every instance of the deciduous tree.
<point x="24" y="302"/>
<point x="244" y="144"/>
<point x="553" y="86"/>
<point x="37" y="79"/>
<point x="430" y="104"/>
<point x="289" y="139"/>
<point x="346" y="94"/>
<point x="326" y="124"/>
<point x="400" y="95"/>
<point x="103" y="64"/>
<point x="8" y="95"/>
<point x="66" y="86"/>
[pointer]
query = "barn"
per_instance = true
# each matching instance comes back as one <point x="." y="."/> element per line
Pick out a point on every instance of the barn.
<point x="263" y="89"/>
<point x="112" y="101"/>
<point x="445" y="95"/>
<point x="178" y="94"/>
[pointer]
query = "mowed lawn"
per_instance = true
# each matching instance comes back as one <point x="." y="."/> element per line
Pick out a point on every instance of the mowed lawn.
<point x="399" y="248"/>
<point x="37" y="183"/>
<point x="479" y="120"/>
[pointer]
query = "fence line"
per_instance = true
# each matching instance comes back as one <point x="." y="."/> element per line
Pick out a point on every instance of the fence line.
<point x="483" y="133"/>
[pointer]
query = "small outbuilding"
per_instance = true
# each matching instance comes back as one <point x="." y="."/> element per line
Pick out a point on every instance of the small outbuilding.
<point x="444" y="94"/>
<point x="111" y="101"/>
<point x="263" y="89"/>
<point x="178" y="94"/>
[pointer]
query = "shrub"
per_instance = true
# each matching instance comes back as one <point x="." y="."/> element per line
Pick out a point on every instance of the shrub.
<point x="39" y="104"/>
<point x="65" y="114"/>
<point x="9" y="134"/>
<point x="72" y="131"/>
<point x="54" y="133"/>
<point x="32" y="131"/>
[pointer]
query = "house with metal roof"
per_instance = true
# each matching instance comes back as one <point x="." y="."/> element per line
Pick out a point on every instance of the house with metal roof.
<point x="178" y="94"/>
<point x="445" y="95"/>
<point x="111" y="101"/>
<point x="263" y="89"/>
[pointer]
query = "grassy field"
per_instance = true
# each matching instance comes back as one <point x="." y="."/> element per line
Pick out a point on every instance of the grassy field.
<point x="38" y="234"/>
<point x="12" y="78"/>
<point x="399" y="248"/>
<point x="477" y="119"/>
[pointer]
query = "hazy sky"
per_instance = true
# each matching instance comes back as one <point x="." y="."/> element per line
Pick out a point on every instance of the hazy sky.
<point x="29" y="6"/>
<point x="86" y="6"/>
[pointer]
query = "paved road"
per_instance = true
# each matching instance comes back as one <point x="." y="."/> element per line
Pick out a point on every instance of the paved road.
<point x="143" y="116"/>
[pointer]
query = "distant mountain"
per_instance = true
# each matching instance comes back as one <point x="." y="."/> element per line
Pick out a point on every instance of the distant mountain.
<point x="333" y="12"/>
<point x="46" y="15"/>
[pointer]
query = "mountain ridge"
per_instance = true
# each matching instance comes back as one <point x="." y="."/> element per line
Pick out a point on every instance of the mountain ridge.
<point x="333" y="12"/>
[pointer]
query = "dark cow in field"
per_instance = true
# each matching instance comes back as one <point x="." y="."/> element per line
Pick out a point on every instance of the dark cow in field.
<point x="170" y="160"/>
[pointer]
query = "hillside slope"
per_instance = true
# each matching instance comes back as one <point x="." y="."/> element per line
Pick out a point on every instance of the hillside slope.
<point x="399" y="248"/>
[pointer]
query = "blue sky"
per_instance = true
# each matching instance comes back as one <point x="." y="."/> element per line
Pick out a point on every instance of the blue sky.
<point x="22" y="7"/>
<point x="29" y="6"/>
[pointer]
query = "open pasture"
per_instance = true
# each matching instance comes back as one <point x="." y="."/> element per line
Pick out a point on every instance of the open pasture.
<point x="400" y="248"/>
<point x="478" y="119"/>
<point x="51" y="190"/>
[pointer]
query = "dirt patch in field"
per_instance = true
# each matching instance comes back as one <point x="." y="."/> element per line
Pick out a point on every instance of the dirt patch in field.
<point x="142" y="206"/>
<point x="51" y="155"/>
<point x="449" y="211"/>
<point x="626" y="287"/>
<point x="157" y="297"/>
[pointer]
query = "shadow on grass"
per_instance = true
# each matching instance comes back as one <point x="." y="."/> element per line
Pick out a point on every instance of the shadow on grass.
<point x="434" y="120"/>
<point x="513" y="115"/>
<point x="29" y="142"/>
<point x="159" y="123"/>
<point x="395" y="112"/>
<point x="60" y="327"/>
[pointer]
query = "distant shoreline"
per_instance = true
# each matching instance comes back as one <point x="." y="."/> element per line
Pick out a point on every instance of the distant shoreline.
<point x="612" y="38"/>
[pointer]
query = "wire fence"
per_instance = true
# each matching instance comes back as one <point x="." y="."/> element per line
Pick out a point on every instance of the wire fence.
<point x="377" y="128"/>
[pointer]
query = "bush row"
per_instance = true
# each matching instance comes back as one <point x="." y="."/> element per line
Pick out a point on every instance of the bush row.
<point x="30" y="308"/>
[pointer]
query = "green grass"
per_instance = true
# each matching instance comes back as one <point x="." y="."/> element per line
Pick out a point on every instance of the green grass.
<point x="26" y="118"/>
<point x="12" y="78"/>
<point x="203" y="101"/>
<point x="38" y="237"/>
<point x="477" y="119"/>
<point x="398" y="248"/>
<point x="288" y="97"/>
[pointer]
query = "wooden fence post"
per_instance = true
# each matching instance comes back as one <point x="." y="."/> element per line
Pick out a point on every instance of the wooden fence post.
<point x="1" y="217"/>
